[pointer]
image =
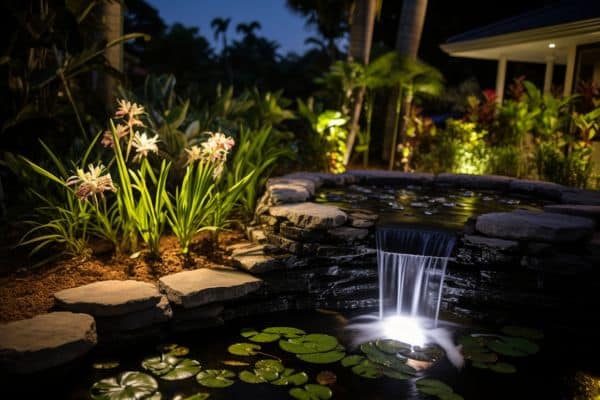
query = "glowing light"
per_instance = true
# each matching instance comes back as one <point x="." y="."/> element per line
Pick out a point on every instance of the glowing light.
<point x="404" y="329"/>
<point x="552" y="45"/>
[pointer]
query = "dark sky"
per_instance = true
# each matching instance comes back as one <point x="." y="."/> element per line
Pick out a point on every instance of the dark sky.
<point x="278" y="22"/>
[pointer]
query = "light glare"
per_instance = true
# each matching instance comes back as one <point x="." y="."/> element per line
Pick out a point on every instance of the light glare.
<point x="404" y="329"/>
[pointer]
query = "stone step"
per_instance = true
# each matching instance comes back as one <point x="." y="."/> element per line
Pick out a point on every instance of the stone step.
<point x="108" y="298"/>
<point x="310" y="215"/>
<point x="252" y="258"/>
<point x="45" y="341"/>
<point x="139" y="319"/>
<point x="195" y="288"/>
<point x="535" y="226"/>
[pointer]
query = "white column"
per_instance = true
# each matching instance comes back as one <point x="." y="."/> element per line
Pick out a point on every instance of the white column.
<point x="501" y="79"/>
<point x="570" y="72"/>
<point x="549" y="74"/>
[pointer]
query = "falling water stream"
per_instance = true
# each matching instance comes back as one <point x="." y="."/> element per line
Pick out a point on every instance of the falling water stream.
<point x="411" y="267"/>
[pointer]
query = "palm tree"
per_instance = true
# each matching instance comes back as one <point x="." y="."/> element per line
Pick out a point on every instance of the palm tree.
<point x="220" y="26"/>
<point x="361" y="36"/>
<point x="418" y="78"/>
<point x="408" y="38"/>
<point x="112" y="18"/>
<point x="248" y="29"/>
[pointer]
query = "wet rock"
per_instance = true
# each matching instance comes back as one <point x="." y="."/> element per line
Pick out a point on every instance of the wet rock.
<point x="348" y="234"/>
<point x="209" y="311"/>
<point x="284" y="193"/>
<point x="285" y="244"/>
<point x="580" y="210"/>
<point x="252" y="258"/>
<point x="310" y="215"/>
<point x="45" y="341"/>
<point x="158" y="314"/>
<point x="581" y="196"/>
<point x="108" y="298"/>
<point x="255" y="234"/>
<point x="294" y="232"/>
<point x="206" y="285"/>
<point x="361" y="223"/>
<point x="547" y="190"/>
<point x="491" y="243"/>
<point x="379" y="177"/>
<point x="535" y="226"/>
<point x="495" y="182"/>
<point x="307" y="184"/>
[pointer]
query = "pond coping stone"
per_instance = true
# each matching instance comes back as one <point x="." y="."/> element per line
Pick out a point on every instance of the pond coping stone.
<point x="471" y="181"/>
<point x="45" y="341"/>
<point x="202" y="286"/>
<point x="310" y="215"/>
<point x="382" y="177"/>
<point x="109" y="298"/>
<point x="535" y="226"/>
<point x="579" y="210"/>
<point x="548" y="190"/>
<point x="158" y="314"/>
<point x="252" y="258"/>
<point x="581" y="196"/>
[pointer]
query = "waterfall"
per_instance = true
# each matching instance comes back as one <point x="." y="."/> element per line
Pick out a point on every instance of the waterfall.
<point x="412" y="265"/>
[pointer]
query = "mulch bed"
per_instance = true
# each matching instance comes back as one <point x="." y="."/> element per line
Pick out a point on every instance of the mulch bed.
<point x="26" y="293"/>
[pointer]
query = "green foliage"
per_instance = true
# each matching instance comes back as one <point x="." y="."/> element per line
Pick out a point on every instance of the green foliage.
<point x="327" y="142"/>
<point x="256" y="155"/>
<point x="188" y="211"/>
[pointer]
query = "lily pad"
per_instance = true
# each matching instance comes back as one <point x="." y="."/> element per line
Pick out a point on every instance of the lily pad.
<point x="105" y="365"/>
<point x="326" y="378"/>
<point x="392" y="373"/>
<point x="216" y="378"/>
<point x="243" y="349"/>
<point x="391" y="346"/>
<point x="519" y="331"/>
<point x="198" y="396"/>
<point x="312" y="343"/>
<point x="388" y="360"/>
<point x="171" y="368"/>
<point x="503" y="368"/>
<point x="290" y="376"/>
<point x="352" y="360"/>
<point x="251" y="377"/>
<point x="287" y="332"/>
<point x="274" y="365"/>
<point x="311" y="392"/>
<point x="513" y="346"/>
<point x="327" y="357"/>
<point x="368" y="369"/>
<point x="481" y="357"/>
<point x="235" y="363"/>
<point x="129" y="384"/>
<point x="433" y="386"/>
<point x="259" y="337"/>
<point x="174" y="350"/>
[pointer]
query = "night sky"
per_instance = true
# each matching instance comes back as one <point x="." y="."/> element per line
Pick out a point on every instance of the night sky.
<point x="278" y="22"/>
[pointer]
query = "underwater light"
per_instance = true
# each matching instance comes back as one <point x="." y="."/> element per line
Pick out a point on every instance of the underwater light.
<point x="404" y="329"/>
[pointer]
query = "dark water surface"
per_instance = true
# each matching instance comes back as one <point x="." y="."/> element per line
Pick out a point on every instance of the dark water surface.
<point x="546" y="375"/>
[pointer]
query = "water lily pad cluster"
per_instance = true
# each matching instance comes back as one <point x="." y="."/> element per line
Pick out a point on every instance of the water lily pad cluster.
<point x="437" y="388"/>
<point x="273" y="372"/>
<point x="380" y="358"/>
<point x="171" y="368"/>
<point x="484" y="350"/>
<point x="315" y="348"/>
<point x="128" y="385"/>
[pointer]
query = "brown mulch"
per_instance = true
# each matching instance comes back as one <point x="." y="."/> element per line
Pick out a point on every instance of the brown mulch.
<point x="25" y="294"/>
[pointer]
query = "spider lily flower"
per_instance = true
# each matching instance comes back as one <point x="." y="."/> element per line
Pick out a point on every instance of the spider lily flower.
<point x="92" y="182"/>
<point x="120" y="130"/>
<point x="131" y="111"/>
<point x="194" y="153"/>
<point x="144" y="145"/>
<point x="217" y="146"/>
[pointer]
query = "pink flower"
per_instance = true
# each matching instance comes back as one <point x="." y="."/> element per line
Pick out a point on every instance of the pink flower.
<point x="92" y="182"/>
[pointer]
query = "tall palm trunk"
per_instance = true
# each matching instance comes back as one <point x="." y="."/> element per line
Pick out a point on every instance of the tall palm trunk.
<point x="408" y="38"/>
<point x="361" y="37"/>
<point x="112" y="20"/>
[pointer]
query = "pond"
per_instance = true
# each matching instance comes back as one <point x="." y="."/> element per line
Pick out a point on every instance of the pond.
<point x="424" y="205"/>
<point x="547" y="374"/>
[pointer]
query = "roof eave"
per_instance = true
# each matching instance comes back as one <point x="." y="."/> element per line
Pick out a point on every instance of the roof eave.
<point x="530" y="35"/>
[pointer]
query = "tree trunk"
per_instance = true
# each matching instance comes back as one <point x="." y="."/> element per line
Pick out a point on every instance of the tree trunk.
<point x="408" y="38"/>
<point x="361" y="36"/>
<point x="112" y="20"/>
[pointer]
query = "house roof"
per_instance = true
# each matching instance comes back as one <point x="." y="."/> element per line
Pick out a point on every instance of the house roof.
<point x="536" y="36"/>
<point x="557" y="14"/>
